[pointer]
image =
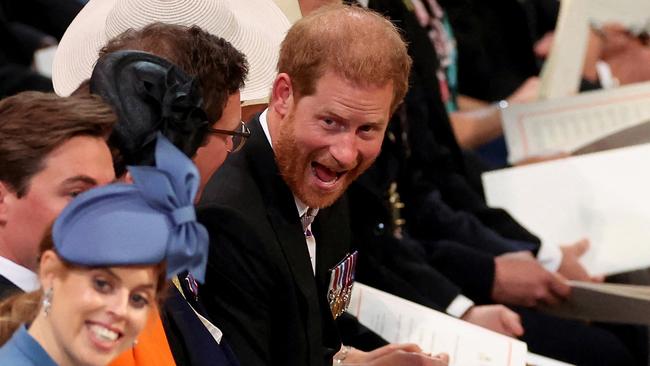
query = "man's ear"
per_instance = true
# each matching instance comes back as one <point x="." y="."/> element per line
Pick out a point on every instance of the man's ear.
<point x="282" y="95"/>
<point x="6" y="196"/>
<point x="50" y="267"/>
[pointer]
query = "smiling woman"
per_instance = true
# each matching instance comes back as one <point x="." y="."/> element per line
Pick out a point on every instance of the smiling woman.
<point x="109" y="308"/>
<point x="103" y="268"/>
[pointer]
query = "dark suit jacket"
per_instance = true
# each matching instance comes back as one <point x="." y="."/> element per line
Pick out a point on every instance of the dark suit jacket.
<point x="7" y="288"/>
<point x="189" y="340"/>
<point x="434" y="159"/>
<point x="447" y="246"/>
<point x="495" y="47"/>
<point x="260" y="286"/>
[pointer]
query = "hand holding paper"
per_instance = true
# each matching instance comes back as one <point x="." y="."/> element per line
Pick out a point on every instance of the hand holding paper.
<point x="497" y="318"/>
<point x="395" y="355"/>
<point x="571" y="268"/>
<point x="398" y="320"/>
<point x="520" y="280"/>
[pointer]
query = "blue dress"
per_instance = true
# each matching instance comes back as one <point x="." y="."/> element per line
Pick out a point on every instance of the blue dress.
<point x="23" y="350"/>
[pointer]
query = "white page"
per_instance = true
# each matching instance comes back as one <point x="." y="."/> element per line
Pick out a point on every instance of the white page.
<point x="401" y="321"/>
<point x="603" y="196"/>
<point x="633" y="14"/>
<point x="565" y="125"/>
<point x="537" y="360"/>
<point x="562" y="71"/>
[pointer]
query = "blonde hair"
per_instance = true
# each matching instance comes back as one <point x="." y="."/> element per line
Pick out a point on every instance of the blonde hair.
<point x="16" y="310"/>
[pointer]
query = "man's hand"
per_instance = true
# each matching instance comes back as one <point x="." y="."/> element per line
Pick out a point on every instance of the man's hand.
<point x="542" y="158"/>
<point x="627" y="55"/>
<point x="520" y="280"/>
<point x="542" y="48"/>
<point x="497" y="318"/>
<point x="570" y="266"/>
<point x="395" y="355"/>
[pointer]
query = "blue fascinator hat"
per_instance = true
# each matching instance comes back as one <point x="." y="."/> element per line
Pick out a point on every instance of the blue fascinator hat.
<point x="150" y="221"/>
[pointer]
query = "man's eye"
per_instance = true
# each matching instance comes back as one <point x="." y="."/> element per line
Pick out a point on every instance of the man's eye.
<point x="328" y="121"/>
<point x="102" y="286"/>
<point x="138" y="301"/>
<point x="74" y="194"/>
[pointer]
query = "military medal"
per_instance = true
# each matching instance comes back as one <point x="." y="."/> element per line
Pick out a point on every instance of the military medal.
<point x="340" y="286"/>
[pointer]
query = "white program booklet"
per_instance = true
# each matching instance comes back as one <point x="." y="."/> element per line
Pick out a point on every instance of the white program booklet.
<point x="568" y="124"/>
<point x="403" y="321"/>
<point x="632" y="14"/>
<point x="605" y="302"/>
<point x="563" y="68"/>
<point x="562" y="71"/>
<point x="603" y="196"/>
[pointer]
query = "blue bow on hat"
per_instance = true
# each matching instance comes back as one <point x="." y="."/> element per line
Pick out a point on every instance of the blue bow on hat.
<point x="150" y="221"/>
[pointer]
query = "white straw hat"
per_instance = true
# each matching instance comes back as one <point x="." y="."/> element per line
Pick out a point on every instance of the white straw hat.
<point x="255" y="27"/>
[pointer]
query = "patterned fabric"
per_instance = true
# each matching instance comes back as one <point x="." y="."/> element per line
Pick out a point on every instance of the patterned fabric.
<point x="432" y="18"/>
<point x="307" y="219"/>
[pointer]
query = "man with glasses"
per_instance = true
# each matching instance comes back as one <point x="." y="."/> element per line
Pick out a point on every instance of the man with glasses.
<point x="237" y="137"/>
<point x="178" y="335"/>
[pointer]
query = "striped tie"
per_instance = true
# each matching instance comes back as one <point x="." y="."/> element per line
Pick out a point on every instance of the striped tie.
<point x="306" y="219"/>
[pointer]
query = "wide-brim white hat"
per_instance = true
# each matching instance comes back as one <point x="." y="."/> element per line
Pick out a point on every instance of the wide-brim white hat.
<point x="255" y="27"/>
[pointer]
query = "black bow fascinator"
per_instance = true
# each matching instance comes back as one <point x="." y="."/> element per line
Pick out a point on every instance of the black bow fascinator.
<point x="149" y="94"/>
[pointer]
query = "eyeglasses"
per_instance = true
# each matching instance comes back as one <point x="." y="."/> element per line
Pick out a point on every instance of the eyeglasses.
<point x="238" y="136"/>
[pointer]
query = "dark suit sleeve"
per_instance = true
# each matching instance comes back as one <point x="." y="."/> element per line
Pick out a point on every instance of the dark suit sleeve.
<point x="435" y="160"/>
<point x="401" y="268"/>
<point x="238" y="288"/>
<point x="470" y="269"/>
<point x="439" y="221"/>
<point x="386" y="262"/>
<point x="357" y="335"/>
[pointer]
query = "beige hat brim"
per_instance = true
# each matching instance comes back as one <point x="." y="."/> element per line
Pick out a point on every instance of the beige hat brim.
<point x="290" y="8"/>
<point x="255" y="27"/>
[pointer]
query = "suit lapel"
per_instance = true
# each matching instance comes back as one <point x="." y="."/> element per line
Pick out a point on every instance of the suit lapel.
<point x="7" y="288"/>
<point x="285" y="223"/>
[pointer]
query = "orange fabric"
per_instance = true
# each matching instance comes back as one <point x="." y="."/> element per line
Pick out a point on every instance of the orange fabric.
<point x="152" y="347"/>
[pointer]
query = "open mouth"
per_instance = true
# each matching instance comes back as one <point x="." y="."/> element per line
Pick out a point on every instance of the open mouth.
<point x="103" y="336"/>
<point x="325" y="175"/>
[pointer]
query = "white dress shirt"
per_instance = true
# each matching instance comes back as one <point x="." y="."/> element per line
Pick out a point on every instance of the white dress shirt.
<point x="20" y="276"/>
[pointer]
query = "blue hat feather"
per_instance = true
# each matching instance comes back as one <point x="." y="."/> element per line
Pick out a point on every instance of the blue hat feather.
<point x="150" y="221"/>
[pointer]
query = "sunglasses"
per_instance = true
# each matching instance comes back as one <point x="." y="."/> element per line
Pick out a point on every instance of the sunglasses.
<point x="238" y="136"/>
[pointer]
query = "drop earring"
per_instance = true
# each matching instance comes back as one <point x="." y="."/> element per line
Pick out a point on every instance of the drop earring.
<point x="47" y="301"/>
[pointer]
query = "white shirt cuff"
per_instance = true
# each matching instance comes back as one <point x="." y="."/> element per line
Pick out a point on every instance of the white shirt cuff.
<point x="550" y="257"/>
<point x="605" y="76"/>
<point x="459" y="306"/>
